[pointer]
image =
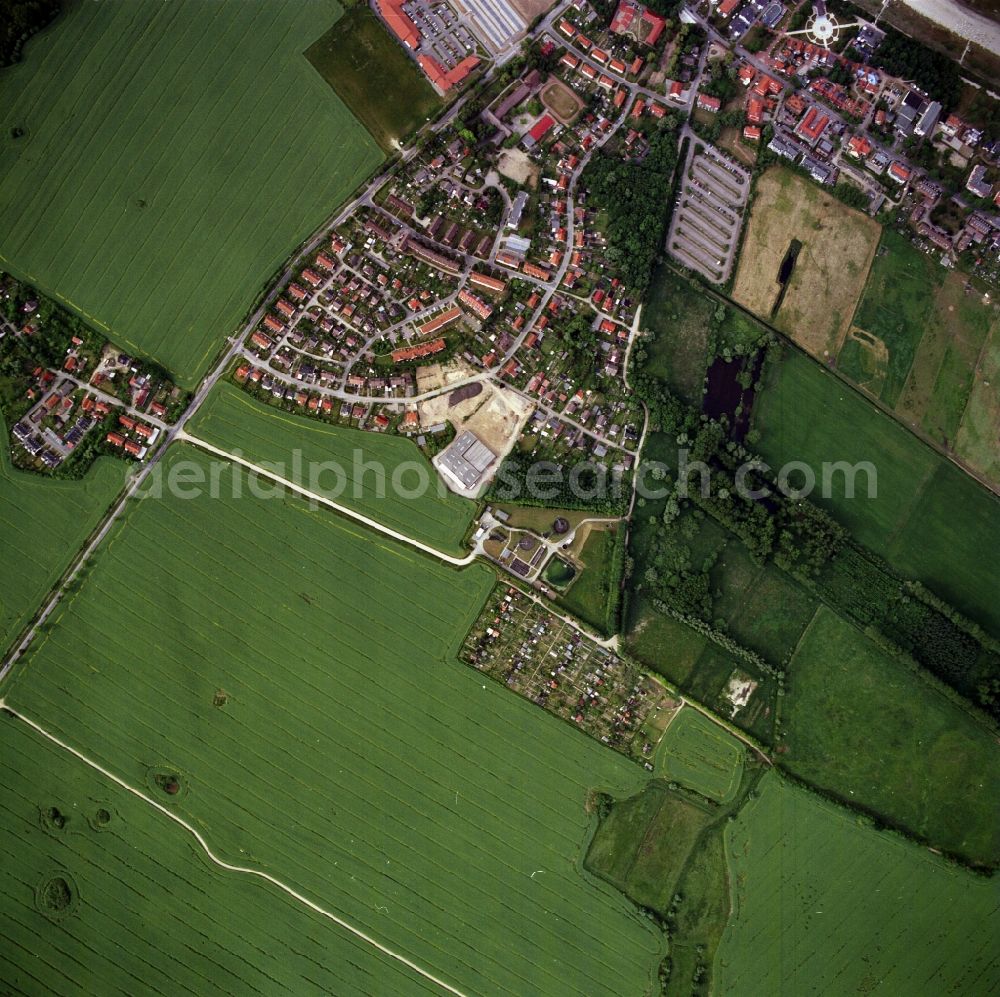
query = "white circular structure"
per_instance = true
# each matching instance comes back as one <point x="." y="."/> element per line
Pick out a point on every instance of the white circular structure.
<point x="822" y="29"/>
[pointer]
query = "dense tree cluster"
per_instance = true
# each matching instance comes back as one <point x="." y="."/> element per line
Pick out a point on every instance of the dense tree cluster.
<point x="19" y="20"/>
<point x="636" y="195"/>
<point x="908" y="59"/>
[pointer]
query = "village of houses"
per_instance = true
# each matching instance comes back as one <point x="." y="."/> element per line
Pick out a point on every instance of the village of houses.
<point x="469" y="297"/>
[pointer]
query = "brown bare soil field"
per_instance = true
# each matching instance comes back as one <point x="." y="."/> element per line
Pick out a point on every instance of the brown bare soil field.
<point x="530" y="9"/>
<point x="838" y="245"/>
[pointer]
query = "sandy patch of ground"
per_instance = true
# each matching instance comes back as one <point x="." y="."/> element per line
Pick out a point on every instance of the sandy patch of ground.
<point x="515" y="165"/>
<point x="838" y="246"/>
<point x="496" y="415"/>
<point x="435" y="375"/>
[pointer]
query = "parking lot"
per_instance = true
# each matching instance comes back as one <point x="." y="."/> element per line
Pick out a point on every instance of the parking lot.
<point x="444" y="35"/>
<point x="705" y="229"/>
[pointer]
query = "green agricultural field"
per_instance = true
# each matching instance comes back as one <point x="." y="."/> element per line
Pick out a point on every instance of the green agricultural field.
<point x="233" y="421"/>
<point x="679" y="318"/>
<point x="173" y="156"/>
<point x="976" y="441"/>
<point x="824" y="905"/>
<point x="371" y="73"/>
<point x="42" y="525"/>
<point x="297" y="676"/>
<point x="701" y="755"/>
<point x="764" y="608"/>
<point x="594" y="594"/>
<point x="644" y="842"/>
<point x="930" y="520"/>
<point x="918" y="336"/>
<point x="895" y="307"/>
<point x="121" y="900"/>
<point x="936" y="770"/>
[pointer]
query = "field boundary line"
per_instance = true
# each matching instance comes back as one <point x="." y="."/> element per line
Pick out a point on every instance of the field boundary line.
<point x="458" y="562"/>
<point x="226" y="865"/>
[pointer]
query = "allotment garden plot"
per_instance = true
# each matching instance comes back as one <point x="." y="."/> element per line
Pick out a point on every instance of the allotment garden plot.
<point x="826" y="905"/>
<point x="233" y="421"/>
<point x="293" y="679"/>
<point x="102" y="892"/>
<point x="172" y="156"/>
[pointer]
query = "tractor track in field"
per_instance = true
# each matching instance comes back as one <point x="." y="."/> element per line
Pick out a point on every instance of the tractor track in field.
<point x="228" y="866"/>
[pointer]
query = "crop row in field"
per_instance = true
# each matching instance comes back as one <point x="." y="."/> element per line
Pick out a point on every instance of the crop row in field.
<point x="826" y="905"/>
<point x="232" y="420"/>
<point x="42" y="524"/>
<point x="170" y="157"/>
<point x="298" y="676"/>
<point x="701" y="755"/>
<point x="120" y="900"/>
<point x="935" y="770"/>
<point x="929" y="519"/>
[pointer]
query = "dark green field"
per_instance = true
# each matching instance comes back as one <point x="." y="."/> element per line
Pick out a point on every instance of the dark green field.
<point x="298" y="674"/>
<point x="143" y="910"/>
<point x="42" y="525"/>
<point x="173" y="155"/>
<point x="930" y="520"/>
<point x="324" y="457"/>
<point x="935" y="770"/>
<point x="371" y="73"/>
<point x="825" y="905"/>
<point x="594" y="592"/>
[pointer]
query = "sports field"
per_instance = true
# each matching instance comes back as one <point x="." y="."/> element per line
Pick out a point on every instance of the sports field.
<point x="42" y="525"/>
<point x="930" y="520"/>
<point x="825" y="906"/>
<point x="368" y="69"/>
<point x="936" y="771"/>
<point x="297" y="677"/>
<point x="838" y="245"/>
<point x="121" y="900"/>
<point x="701" y="755"/>
<point x="232" y="420"/>
<point x="922" y="342"/>
<point x="173" y="156"/>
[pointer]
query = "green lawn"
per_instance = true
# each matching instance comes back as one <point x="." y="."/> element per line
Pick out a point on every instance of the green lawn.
<point x="679" y="318"/>
<point x="929" y="520"/>
<point x="331" y="459"/>
<point x="701" y="755"/>
<point x="173" y="156"/>
<point x="764" y="608"/>
<point x="898" y="301"/>
<point x="823" y="905"/>
<point x="935" y="770"/>
<point x="593" y="594"/>
<point x="42" y="525"/>
<point x="298" y="675"/>
<point x="147" y="913"/>
<point x="643" y="844"/>
<point x="371" y="73"/>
